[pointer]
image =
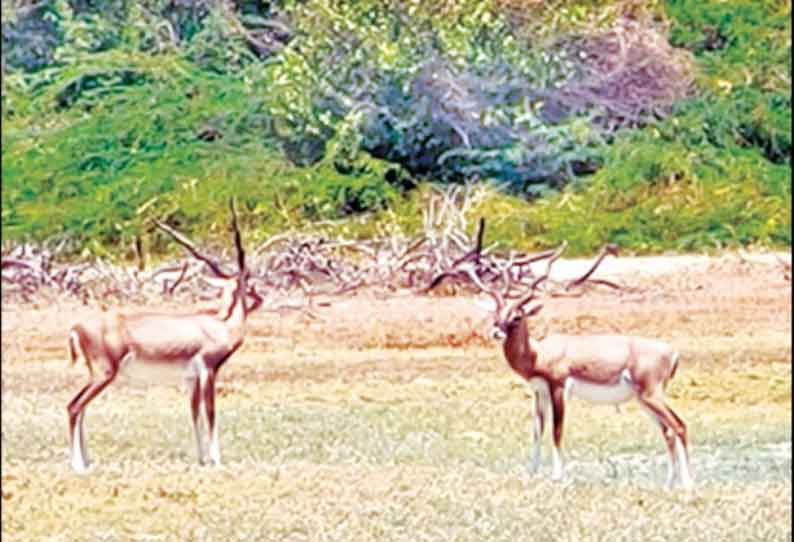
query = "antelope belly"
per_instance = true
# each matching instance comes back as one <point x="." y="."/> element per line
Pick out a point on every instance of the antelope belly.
<point x="601" y="393"/>
<point x="153" y="372"/>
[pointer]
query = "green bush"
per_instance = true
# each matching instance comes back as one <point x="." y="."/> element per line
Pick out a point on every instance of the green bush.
<point x="152" y="150"/>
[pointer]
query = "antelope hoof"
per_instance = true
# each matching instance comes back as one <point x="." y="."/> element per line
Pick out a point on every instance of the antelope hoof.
<point x="80" y="467"/>
<point x="215" y="456"/>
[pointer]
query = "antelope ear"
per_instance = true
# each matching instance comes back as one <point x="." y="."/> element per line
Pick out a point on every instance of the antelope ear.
<point x="533" y="311"/>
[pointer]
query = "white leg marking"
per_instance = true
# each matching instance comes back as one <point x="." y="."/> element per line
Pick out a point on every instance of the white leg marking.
<point x="671" y="468"/>
<point x="542" y="408"/>
<point x="78" y="460"/>
<point x="557" y="469"/>
<point x="205" y="425"/>
<point x="198" y="433"/>
<point x="83" y="438"/>
<point x="200" y="370"/>
<point x="214" y="446"/>
<point x="686" y="476"/>
<point x="215" y="449"/>
<point x="534" y="462"/>
<point x="569" y="383"/>
<point x="201" y="425"/>
<point x="537" y="436"/>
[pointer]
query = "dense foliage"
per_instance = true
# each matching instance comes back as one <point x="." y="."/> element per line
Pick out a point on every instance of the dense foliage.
<point x="660" y="126"/>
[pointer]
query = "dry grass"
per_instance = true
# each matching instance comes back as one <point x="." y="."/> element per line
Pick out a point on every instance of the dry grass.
<point x="418" y="433"/>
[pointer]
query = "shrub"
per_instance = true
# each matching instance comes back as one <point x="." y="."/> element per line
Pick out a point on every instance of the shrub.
<point x="460" y="96"/>
<point x="30" y="36"/>
<point x="657" y="193"/>
<point x="737" y="42"/>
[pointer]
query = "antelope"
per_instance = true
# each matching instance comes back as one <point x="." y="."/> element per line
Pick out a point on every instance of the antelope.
<point x="605" y="369"/>
<point x="195" y="344"/>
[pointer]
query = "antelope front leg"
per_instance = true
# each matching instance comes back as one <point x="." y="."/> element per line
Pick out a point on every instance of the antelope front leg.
<point x="76" y="409"/>
<point x="538" y="425"/>
<point x="558" y="413"/>
<point x="669" y="439"/>
<point x="676" y="428"/>
<point x="672" y="462"/>
<point x="195" y="411"/>
<point x="212" y="426"/>
<point x="78" y="458"/>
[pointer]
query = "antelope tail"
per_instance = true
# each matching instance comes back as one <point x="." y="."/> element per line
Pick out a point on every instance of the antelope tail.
<point x="76" y="349"/>
<point x="74" y="345"/>
<point x="673" y="368"/>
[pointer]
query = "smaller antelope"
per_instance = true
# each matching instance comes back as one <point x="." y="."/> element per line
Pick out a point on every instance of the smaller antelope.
<point x="606" y="369"/>
<point x="195" y="344"/>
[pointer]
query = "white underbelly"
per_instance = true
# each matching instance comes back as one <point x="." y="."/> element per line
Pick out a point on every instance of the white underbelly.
<point x="136" y="372"/>
<point x="600" y="393"/>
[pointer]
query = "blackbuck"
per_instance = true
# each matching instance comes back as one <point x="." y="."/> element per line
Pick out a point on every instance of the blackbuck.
<point x="606" y="369"/>
<point x="195" y="345"/>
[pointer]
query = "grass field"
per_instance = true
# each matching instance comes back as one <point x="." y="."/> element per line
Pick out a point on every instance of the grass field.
<point x="343" y="430"/>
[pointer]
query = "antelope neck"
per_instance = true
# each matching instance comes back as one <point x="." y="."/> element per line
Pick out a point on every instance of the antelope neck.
<point x="519" y="351"/>
<point x="232" y="307"/>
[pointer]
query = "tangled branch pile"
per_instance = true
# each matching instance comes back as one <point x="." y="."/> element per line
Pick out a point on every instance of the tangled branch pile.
<point x="306" y="264"/>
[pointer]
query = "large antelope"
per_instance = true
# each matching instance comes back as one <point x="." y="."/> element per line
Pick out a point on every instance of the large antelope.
<point x="607" y="369"/>
<point x="196" y="344"/>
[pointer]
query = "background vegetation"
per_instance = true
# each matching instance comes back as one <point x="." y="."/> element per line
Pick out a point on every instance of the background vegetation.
<point x="664" y="126"/>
